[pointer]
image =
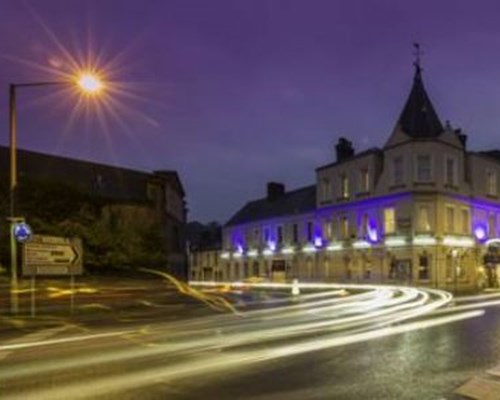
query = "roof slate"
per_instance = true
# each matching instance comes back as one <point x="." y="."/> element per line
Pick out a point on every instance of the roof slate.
<point x="419" y="118"/>
<point x="298" y="201"/>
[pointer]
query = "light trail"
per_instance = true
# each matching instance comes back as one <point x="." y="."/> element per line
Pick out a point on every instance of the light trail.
<point x="235" y="341"/>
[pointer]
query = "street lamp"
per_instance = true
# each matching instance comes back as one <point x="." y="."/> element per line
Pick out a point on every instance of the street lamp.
<point x="88" y="83"/>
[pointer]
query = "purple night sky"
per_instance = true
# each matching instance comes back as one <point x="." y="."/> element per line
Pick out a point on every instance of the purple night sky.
<point x="235" y="93"/>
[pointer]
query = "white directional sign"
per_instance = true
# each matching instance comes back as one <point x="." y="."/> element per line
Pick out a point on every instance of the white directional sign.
<point x="52" y="255"/>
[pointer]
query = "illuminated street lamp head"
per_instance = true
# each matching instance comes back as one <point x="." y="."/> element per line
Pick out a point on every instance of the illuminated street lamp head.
<point x="90" y="83"/>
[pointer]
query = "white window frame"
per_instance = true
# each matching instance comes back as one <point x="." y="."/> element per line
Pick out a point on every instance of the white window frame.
<point x="431" y="168"/>
<point x="364" y="180"/>
<point x="491" y="190"/>
<point x="344" y="186"/>
<point x="391" y="224"/>
<point x="454" y="180"/>
<point x="398" y="172"/>
<point x="465" y="223"/>
<point x="450" y="224"/>
<point x="422" y="226"/>
<point x="344" y="226"/>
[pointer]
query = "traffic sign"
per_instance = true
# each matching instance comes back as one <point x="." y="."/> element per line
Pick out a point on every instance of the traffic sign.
<point x="52" y="255"/>
<point x="22" y="232"/>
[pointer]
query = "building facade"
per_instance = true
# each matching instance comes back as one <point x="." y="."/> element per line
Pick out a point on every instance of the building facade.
<point x="421" y="210"/>
<point x="204" y="246"/>
<point x="132" y="201"/>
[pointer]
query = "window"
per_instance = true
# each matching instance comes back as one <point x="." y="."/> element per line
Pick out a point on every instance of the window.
<point x="344" y="227"/>
<point x="389" y="220"/>
<point x="327" y="229"/>
<point x="450" y="219"/>
<point x="423" y="219"/>
<point x="309" y="231"/>
<point x="325" y="189"/>
<point x="491" y="182"/>
<point x="449" y="267"/>
<point x="267" y="235"/>
<point x="398" y="171"/>
<point x="363" y="229"/>
<point x="492" y="225"/>
<point x="295" y="233"/>
<point x="364" y="180"/>
<point x="450" y="172"/>
<point x="465" y="221"/>
<point x="423" y="267"/>
<point x="279" y="234"/>
<point x="344" y="186"/>
<point x="424" y="168"/>
<point x="256" y="236"/>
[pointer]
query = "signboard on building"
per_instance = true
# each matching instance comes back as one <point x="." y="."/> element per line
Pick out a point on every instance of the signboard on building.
<point x="52" y="256"/>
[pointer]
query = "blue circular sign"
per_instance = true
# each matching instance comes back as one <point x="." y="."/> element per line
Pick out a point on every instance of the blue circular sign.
<point x="22" y="232"/>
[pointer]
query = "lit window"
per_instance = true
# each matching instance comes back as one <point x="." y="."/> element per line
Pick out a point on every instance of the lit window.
<point x="398" y="171"/>
<point x="423" y="219"/>
<point x="449" y="267"/>
<point x="450" y="172"/>
<point x="491" y="181"/>
<point x="423" y="267"/>
<point x="327" y="229"/>
<point x="344" y="186"/>
<point x="325" y="189"/>
<point x="364" y="180"/>
<point x="389" y="220"/>
<point x="423" y="168"/>
<point x="465" y="221"/>
<point x="450" y="219"/>
<point x="344" y="227"/>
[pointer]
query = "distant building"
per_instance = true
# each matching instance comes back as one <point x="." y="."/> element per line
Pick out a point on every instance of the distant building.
<point x="205" y="244"/>
<point x="131" y="197"/>
<point x="421" y="210"/>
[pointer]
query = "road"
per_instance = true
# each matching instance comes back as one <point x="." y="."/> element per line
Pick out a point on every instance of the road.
<point x="341" y="342"/>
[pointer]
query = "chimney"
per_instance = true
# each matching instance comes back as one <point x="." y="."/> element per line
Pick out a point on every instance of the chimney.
<point x="344" y="149"/>
<point x="461" y="136"/>
<point x="275" y="190"/>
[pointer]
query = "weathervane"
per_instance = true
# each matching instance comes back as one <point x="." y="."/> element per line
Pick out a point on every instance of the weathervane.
<point x="417" y="55"/>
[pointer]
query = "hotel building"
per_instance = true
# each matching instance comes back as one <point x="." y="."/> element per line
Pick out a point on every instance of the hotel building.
<point x="421" y="210"/>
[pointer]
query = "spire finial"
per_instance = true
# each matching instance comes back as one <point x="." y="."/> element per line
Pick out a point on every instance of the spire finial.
<point x="418" y="52"/>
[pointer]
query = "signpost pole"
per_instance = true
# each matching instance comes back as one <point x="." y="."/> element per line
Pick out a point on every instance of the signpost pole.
<point x="72" y="289"/>
<point x="33" y="296"/>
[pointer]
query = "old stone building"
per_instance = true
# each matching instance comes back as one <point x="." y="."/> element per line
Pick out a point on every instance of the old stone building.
<point x="420" y="210"/>
<point x="131" y="200"/>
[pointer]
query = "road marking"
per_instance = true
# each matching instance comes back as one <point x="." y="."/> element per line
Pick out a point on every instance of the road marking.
<point x="7" y="348"/>
<point x="16" y="346"/>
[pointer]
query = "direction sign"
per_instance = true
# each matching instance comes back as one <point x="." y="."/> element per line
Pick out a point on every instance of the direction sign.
<point x="52" y="255"/>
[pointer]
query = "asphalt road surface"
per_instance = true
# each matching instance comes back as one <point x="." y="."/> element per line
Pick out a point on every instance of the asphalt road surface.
<point x="329" y="342"/>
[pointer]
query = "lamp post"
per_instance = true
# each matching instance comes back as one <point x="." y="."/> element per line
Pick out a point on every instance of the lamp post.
<point x="88" y="83"/>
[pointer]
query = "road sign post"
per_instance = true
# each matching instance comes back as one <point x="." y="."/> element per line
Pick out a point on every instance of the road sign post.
<point x="52" y="256"/>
